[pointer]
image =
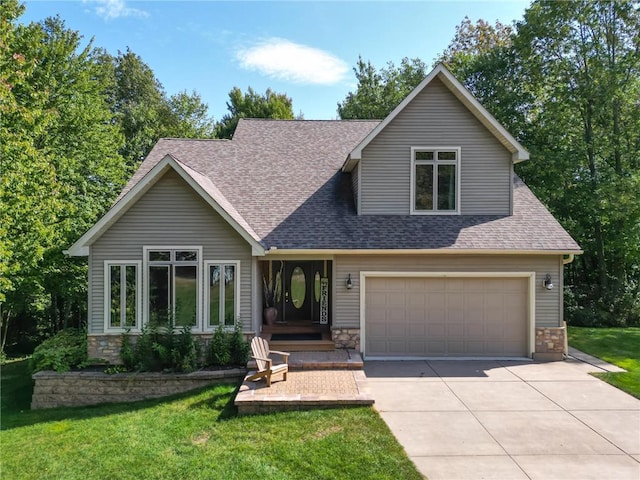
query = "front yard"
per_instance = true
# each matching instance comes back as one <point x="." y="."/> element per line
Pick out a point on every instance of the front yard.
<point x="196" y="435"/>
<point x="619" y="346"/>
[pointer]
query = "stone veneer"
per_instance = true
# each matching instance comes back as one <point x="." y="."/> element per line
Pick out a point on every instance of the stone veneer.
<point x="346" y="337"/>
<point x="74" y="389"/>
<point x="550" y="343"/>
<point x="106" y="347"/>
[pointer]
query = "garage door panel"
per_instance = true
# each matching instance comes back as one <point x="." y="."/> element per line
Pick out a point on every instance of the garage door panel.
<point x="446" y="316"/>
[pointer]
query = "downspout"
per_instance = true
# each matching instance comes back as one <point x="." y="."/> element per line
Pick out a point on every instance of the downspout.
<point x="569" y="259"/>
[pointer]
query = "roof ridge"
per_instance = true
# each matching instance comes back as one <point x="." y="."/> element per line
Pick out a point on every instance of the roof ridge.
<point x="183" y="139"/>
<point x="300" y="120"/>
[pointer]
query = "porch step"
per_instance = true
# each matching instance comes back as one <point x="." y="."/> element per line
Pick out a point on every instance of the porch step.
<point x="302" y="345"/>
<point x="319" y="360"/>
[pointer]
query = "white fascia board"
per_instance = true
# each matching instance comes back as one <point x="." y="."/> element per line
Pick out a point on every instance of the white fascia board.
<point x="415" y="251"/>
<point x="518" y="151"/>
<point x="81" y="247"/>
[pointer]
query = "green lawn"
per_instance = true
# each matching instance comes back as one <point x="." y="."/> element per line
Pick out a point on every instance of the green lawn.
<point x="620" y="346"/>
<point x="195" y="436"/>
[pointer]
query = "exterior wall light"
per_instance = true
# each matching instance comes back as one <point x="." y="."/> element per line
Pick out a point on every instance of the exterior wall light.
<point x="349" y="283"/>
<point x="547" y="283"/>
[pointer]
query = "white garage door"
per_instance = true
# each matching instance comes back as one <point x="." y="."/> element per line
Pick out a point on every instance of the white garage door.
<point x="440" y="316"/>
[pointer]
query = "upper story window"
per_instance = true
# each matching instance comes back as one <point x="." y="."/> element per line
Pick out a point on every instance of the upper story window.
<point x="435" y="177"/>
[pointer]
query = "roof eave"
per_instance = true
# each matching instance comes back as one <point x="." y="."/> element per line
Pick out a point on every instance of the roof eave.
<point x="81" y="247"/>
<point x="519" y="153"/>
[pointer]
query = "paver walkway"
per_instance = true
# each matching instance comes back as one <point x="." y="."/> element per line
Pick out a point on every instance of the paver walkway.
<point x="508" y="420"/>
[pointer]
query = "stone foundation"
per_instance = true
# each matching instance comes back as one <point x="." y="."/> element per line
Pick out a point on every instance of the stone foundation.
<point x="346" y="338"/>
<point x="550" y="344"/>
<point x="106" y="347"/>
<point x="73" y="389"/>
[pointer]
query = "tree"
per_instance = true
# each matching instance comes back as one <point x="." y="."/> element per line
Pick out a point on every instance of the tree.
<point x="188" y="117"/>
<point x="139" y="104"/>
<point x="584" y="59"/>
<point x="253" y="105"/>
<point x="60" y="168"/>
<point x="378" y="93"/>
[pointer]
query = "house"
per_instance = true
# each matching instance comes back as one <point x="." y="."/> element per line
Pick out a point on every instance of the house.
<point x="406" y="237"/>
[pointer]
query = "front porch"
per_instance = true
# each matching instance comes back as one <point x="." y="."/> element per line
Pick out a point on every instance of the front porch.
<point x="316" y="380"/>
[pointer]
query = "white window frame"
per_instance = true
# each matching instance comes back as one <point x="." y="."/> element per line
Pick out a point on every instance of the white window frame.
<point x="207" y="300"/>
<point x="107" y="294"/>
<point x="435" y="162"/>
<point x="173" y="248"/>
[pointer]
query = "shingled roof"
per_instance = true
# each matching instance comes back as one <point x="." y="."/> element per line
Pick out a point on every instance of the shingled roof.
<point x="284" y="178"/>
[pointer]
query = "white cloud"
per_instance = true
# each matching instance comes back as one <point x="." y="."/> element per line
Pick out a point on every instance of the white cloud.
<point x="285" y="60"/>
<point x="110" y="9"/>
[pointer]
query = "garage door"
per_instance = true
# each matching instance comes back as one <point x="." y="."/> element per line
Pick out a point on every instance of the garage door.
<point x="446" y="316"/>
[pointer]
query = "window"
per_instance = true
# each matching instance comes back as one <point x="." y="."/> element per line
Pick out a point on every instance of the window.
<point x="172" y="285"/>
<point x="122" y="294"/>
<point x="222" y="290"/>
<point x="435" y="179"/>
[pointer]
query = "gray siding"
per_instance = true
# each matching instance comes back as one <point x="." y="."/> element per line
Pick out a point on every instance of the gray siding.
<point x="170" y="213"/>
<point x="355" y="183"/>
<point x="435" y="118"/>
<point x="548" y="303"/>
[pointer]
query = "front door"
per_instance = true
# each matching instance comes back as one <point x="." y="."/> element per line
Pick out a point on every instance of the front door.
<point x="305" y="292"/>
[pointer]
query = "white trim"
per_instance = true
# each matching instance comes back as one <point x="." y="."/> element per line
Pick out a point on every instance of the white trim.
<point x="256" y="296"/>
<point x="435" y="162"/>
<point x="382" y="274"/>
<point x="326" y="253"/>
<point x="79" y="248"/>
<point x="518" y="151"/>
<point x="358" y="200"/>
<point x="453" y="359"/>
<point x="170" y="263"/>
<point x="221" y="263"/>
<point x="107" y="294"/>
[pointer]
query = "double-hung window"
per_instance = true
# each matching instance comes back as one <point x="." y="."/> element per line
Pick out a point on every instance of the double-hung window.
<point x="122" y="294"/>
<point x="172" y="285"/>
<point x="435" y="176"/>
<point x="222" y="290"/>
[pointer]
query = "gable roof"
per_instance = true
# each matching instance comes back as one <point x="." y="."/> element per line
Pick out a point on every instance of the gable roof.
<point x="282" y="185"/>
<point x="518" y="152"/>
<point x="200" y="183"/>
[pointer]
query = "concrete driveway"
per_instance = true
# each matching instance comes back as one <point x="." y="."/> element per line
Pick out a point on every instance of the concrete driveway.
<point x="508" y="420"/>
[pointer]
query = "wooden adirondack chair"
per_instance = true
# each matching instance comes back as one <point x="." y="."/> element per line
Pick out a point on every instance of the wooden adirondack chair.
<point x="260" y="351"/>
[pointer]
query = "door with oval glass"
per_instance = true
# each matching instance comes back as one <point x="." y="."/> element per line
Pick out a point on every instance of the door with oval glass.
<point x="302" y="290"/>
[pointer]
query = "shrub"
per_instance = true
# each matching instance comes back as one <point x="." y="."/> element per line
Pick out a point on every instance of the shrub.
<point x="219" y="349"/>
<point x="161" y="349"/>
<point x="62" y="352"/>
<point x="228" y="348"/>
<point x="239" y="348"/>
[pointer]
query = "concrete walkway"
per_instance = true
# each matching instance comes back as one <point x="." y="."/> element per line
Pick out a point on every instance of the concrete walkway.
<point x="508" y="420"/>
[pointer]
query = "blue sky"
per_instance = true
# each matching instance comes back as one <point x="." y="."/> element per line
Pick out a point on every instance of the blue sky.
<point x="304" y="49"/>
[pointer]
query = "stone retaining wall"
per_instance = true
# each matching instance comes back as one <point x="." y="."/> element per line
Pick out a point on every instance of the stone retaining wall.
<point x="550" y="343"/>
<point x="346" y="338"/>
<point x="74" y="389"/>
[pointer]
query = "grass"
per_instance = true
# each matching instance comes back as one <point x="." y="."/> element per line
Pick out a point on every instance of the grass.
<point x="196" y="436"/>
<point x="619" y="346"/>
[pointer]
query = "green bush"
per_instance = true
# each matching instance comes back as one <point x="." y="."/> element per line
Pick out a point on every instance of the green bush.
<point x="239" y="348"/>
<point x="228" y="348"/>
<point x="219" y="349"/>
<point x="161" y="349"/>
<point x="62" y="352"/>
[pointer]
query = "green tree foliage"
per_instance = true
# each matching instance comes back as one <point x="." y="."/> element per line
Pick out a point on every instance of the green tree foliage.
<point x="253" y="105"/>
<point x="74" y="123"/>
<point x="59" y="166"/>
<point x="583" y="61"/>
<point x="379" y="92"/>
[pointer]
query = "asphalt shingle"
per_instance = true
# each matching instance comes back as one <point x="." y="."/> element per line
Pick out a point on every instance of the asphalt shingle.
<point x="284" y="178"/>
